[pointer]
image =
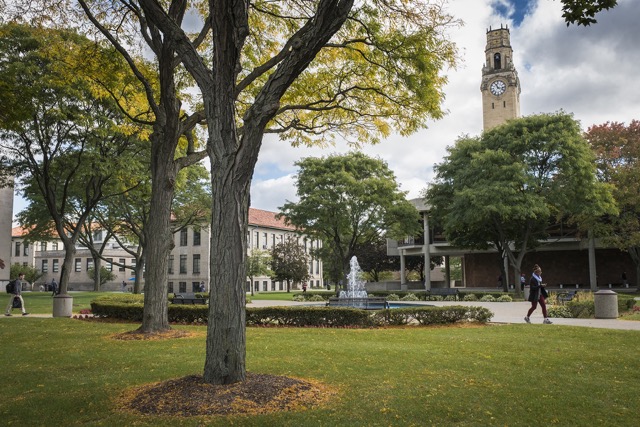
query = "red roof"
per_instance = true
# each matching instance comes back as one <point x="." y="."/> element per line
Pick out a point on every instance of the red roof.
<point x="267" y="219"/>
<point x="19" y="232"/>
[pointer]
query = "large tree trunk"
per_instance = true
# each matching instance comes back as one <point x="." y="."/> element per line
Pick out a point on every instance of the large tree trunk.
<point x="96" y="274"/>
<point x="159" y="240"/>
<point x="226" y="339"/>
<point x="69" y="254"/>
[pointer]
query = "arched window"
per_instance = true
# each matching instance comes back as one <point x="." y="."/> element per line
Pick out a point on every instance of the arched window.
<point x="496" y="61"/>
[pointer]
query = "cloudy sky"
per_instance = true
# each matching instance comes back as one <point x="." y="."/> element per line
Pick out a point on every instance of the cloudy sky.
<point x="591" y="72"/>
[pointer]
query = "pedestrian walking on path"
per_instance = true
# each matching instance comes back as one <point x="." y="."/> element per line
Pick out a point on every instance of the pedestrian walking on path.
<point x="538" y="294"/>
<point x="16" y="296"/>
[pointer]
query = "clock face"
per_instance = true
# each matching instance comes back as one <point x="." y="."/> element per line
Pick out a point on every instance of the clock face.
<point x="498" y="87"/>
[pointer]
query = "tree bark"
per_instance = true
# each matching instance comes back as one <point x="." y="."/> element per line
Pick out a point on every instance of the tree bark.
<point x="226" y="337"/>
<point x="159" y="239"/>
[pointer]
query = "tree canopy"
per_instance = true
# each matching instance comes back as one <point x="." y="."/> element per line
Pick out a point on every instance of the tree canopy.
<point x="348" y="201"/>
<point x="65" y="137"/>
<point x="299" y="69"/>
<point x="289" y="262"/>
<point x="583" y="12"/>
<point x="504" y="188"/>
<point x="617" y="150"/>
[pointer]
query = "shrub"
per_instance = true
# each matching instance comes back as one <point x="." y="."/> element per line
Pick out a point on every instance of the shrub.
<point x="581" y="309"/>
<point x="410" y="297"/>
<point x="451" y="298"/>
<point x="316" y="298"/>
<point x="299" y="298"/>
<point x="559" y="311"/>
<point x="470" y="297"/>
<point x="488" y="298"/>
<point x="393" y="297"/>
<point x="302" y="316"/>
<point x="505" y="298"/>
<point x="436" y="298"/>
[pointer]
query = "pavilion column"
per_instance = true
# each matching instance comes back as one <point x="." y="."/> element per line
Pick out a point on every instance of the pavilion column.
<point x="402" y="269"/>
<point x="447" y="272"/>
<point x="427" y="254"/>
<point x="593" y="281"/>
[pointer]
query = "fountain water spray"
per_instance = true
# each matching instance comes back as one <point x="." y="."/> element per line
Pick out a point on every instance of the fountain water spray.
<point x="355" y="282"/>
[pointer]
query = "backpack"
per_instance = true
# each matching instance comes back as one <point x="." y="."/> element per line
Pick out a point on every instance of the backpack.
<point x="11" y="286"/>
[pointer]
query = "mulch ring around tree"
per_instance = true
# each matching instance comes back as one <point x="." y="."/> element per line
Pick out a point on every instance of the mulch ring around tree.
<point x="191" y="396"/>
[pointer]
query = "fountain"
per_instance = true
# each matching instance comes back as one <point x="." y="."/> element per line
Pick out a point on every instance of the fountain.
<point x="356" y="294"/>
<point x="355" y="283"/>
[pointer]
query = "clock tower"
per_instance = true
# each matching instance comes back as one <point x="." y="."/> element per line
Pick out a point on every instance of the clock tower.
<point x="500" y="84"/>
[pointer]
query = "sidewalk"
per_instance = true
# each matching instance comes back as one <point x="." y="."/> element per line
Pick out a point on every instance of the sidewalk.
<point x="503" y="312"/>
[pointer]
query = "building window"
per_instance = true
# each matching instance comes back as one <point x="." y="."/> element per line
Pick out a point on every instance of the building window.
<point x="109" y="265"/>
<point x="55" y="267"/>
<point x="273" y="240"/>
<point x="54" y="246"/>
<point x="183" y="264"/>
<point x="17" y="252"/>
<point x="183" y="237"/>
<point x="195" y="286"/>
<point x="265" y="240"/>
<point x="311" y="267"/>
<point x="196" y="236"/>
<point x="257" y="242"/>
<point x="317" y="267"/>
<point x="97" y="236"/>
<point x="256" y="286"/>
<point x="78" y="266"/>
<point x="26" y="249"/>
<point x="171" y="259"/>
<point x="497" y="62"/>
<point x="248" y="286"/>
<point x="43" y="246"/>
<point x="504" y="104"/>
<point x="273" y="286"/>
<point x="281" y="286"/>
<point x="196" y="263"/>
<point x="170" y="287"/>
<point x="182" y="286"/>
<point x="133" y="264"/>
<point x="89" y="263"/>
<point x="123" y="262"/>
<point x="264" y="286"/>
<point x="45" y="265"/>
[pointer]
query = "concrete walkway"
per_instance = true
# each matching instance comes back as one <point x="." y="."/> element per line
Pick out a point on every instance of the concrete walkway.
<point x="503" y="312"/>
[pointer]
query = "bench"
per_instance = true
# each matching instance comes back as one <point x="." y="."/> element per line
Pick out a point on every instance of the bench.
<point x="188" y="298"/>
<point x="564" y="297"/>
<point x="444" y="292"/>
<point x="369" y="303"/>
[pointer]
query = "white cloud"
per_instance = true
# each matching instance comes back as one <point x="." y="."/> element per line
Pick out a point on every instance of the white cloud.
<point x="590" y="72"/>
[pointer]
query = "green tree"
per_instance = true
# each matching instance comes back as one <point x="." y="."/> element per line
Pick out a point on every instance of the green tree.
<point x="258" y="263"/>
<point x="299" y="69"/>
<point x="31" y="274"/>
<point x="583" y="12"/>
<point x="373" y="258"/>
<point x="289" y="262"/>
<point x="348" y="201"/>
<point x="104" y="275"/>
<point x="502" y="189"/>
<point x="66" y="138"/>
<point x="617" y="150"/>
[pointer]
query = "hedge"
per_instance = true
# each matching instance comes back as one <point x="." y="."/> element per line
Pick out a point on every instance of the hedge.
<point x="328" y="317"/>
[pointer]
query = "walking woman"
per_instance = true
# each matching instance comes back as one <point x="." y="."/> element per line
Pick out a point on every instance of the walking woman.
<point x="538" y="294"/>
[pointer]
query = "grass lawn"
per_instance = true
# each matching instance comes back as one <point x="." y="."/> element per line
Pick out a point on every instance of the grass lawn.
<point x="67" y="372"/>
<point x="42" y="302"/>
